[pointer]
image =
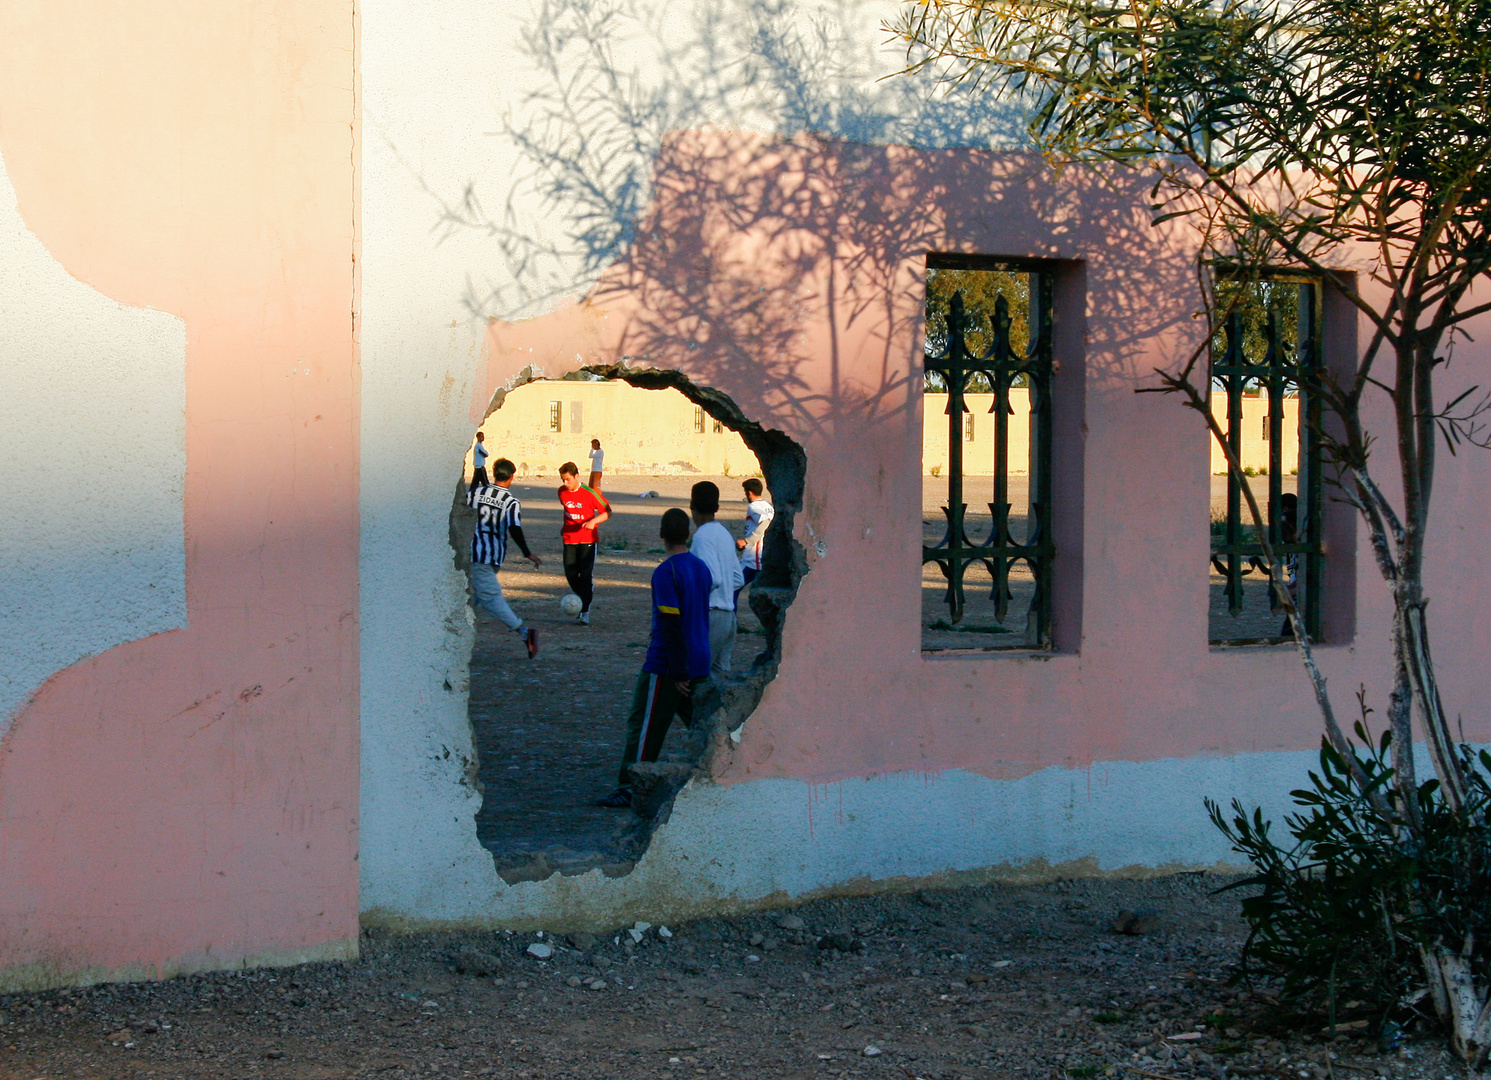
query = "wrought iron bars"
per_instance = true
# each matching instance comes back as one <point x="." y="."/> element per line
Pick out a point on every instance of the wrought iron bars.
<point x="1002" y="367"/>
<point x="1295" y="538"/>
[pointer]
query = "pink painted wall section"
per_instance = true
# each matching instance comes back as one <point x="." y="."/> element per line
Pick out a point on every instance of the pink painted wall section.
<point x="190" y="800"/>
<point x="789" y="276"/>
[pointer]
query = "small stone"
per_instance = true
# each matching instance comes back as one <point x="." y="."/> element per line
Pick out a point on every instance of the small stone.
<point x="602" y="962"/>
<point x="274" y="1055"/>
<point x="872" y="1051"/>
<point x="752" y="958"/>
<point x="664" y="933"/>
<point x="1001" y="963"/>
<point x="596" y="984"/>
<point x="790" y="922"/>
<point x="478" y="962"/>
<point x="574" y="980"/>
<point x="583" y="942"/>
<point x="757" y="939"/>
<point x="636" y="935"/>
<point x="540" y="950"/>
<point x="641" y="927"/>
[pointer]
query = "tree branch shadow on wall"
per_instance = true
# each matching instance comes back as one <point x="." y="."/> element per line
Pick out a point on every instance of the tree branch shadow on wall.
<point x="778" y="281"/>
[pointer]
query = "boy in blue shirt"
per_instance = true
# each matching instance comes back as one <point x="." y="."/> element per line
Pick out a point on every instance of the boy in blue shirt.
<point x="677" y="654"/>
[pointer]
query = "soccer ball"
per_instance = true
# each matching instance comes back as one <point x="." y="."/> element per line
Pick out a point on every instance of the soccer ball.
<point x="570" y="604"/>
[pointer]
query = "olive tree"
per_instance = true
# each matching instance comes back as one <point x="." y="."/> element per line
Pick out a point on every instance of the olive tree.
<point x="1303" y="136"/>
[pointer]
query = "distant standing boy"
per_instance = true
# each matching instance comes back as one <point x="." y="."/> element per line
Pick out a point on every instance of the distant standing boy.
<point x="597" y="464"/>
<point x="479" y="461"/>
<point x="759" y="513"/>
<point x="714" y="544"/>
<point x="584" y="509"/>
<point x="498" y="515"/>
<point x="677" y="653"/>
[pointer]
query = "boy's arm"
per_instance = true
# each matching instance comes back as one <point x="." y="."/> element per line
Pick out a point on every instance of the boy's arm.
<point x="516" y="532"/>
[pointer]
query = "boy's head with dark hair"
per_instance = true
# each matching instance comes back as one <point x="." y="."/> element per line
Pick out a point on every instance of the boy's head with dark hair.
<point x="753" y="487"/>
<point x="480" y="437"/>
<point x="503" y="470"/>
<point x="595" y="444"/>
<point x="675" y="527"/>
<point x="704" y="499"/>
<point x="569" y="468"/>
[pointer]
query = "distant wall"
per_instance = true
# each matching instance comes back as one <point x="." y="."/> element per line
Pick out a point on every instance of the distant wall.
<point x="978" y="434"/>
<point x="642" y="431"/>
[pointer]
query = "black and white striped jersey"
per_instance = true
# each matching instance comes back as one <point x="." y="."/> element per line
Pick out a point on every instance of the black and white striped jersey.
<point x="497" y="510"/>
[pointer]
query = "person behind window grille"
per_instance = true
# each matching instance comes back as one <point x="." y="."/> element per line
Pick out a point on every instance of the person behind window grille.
<point x="499" y="514"/>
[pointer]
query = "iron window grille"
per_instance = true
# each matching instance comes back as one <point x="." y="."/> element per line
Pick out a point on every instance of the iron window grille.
<point x="556" y="410"/>
<point x="699" y="419"/>
<point x="1263" y="355"/>
<point x="1000" y="367"/>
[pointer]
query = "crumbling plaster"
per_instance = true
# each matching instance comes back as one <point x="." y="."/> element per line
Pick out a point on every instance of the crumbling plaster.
<point x="93" y="436"/>
<point x="185" y="800"/>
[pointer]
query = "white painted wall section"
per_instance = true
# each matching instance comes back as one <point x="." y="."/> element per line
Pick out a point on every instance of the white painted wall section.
<point x="92" y="552"/>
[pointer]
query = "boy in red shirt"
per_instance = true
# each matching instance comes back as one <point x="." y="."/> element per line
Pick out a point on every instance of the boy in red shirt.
<point x="584" y="509"/>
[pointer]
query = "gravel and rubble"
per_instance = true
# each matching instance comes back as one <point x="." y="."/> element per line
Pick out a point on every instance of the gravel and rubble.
<point x="989" y="981"/>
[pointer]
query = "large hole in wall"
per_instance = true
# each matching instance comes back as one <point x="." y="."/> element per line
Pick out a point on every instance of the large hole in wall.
<point x="549" y="732"/>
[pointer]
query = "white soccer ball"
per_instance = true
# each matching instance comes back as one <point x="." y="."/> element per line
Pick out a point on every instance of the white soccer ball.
<point x="570" y="604"/>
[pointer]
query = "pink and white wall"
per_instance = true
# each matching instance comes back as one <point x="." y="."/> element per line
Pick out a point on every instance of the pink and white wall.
<point x="274" y="259"/>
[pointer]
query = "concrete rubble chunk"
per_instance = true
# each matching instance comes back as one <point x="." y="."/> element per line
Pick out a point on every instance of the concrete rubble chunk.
<point x="473" y="961"/>
<point x="1136" y="922"/>
<point x="790" y="922"/>
<point x="541" y="950"/>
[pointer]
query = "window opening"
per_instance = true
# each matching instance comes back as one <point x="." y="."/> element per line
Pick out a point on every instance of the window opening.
<point x="549" y="733"/>
<point x="699" y="419"/>
<point x="986" y="564"/>
<point x="555" y="412"/>
<point x="1262" y="365"/>
<point x="719" y="428"/>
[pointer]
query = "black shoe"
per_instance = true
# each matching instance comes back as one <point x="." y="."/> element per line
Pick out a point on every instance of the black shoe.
<point x="619" y="799"/>
<point x="531" y="640"/>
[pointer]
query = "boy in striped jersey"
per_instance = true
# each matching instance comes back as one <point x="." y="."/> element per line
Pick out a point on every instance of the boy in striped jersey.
<point x="498" y="514"/>
<point x="677" y="655"/>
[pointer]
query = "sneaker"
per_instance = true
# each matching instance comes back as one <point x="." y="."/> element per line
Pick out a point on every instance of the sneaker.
<point x="530" y="639"/>
<point x="583" y="619"/>
<point x="619" y="799"/>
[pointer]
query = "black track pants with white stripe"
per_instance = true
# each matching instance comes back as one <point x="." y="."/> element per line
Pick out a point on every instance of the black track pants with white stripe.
<point x="655" y="701"/>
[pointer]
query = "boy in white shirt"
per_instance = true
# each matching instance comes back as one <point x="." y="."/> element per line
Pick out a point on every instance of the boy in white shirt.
<point x="713" y="543"/>
<point x="759" y="513"/>
<point x="597" y="463"/>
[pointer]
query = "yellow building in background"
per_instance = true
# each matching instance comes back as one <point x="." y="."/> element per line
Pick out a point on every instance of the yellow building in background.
<point x="978" y="434"/>
<point x="543" y="424"/>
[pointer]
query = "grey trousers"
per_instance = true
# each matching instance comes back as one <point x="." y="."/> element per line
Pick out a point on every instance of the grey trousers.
<point x="487" y="591"/>
<point x="721" y="640"/>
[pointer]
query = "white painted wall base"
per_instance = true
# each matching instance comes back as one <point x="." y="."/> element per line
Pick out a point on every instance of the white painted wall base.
<point x="778" y="842"/>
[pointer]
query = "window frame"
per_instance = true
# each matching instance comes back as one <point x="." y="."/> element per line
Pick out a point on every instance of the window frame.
<point x="1234" y="557"/>
<point x="955" y="552"/>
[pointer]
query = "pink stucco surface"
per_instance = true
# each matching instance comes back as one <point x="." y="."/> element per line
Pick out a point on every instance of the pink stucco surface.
<point x="190" y="800"/>
<point x="788" y="275"/>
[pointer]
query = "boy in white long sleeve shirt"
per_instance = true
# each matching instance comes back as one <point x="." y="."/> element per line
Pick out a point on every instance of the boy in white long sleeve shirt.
<point x="759" y="513"/>
<point x="713" y="543"/>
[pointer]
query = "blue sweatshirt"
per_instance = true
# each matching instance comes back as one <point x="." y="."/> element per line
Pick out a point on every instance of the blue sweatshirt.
<point x="679" y="647"/>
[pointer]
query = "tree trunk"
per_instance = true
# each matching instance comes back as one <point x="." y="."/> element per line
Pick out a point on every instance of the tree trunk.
<point x="1462" y="1004"/>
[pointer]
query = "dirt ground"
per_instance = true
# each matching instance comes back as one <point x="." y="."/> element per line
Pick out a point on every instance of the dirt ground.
<point x="979" y="982"/>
